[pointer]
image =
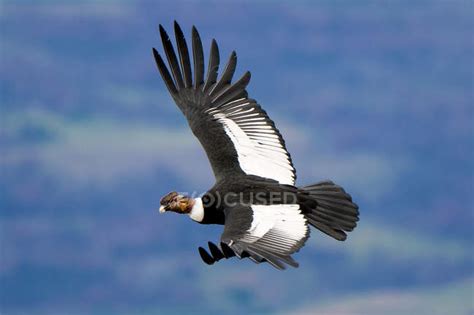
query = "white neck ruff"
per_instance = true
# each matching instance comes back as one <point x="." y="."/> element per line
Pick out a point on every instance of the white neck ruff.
<point x="197" y="211"/>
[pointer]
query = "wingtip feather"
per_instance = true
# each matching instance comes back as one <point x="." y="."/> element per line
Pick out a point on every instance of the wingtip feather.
<point x="205" y="256"/>
<point x="166" y="76"/>
<point x="215" y="251"/>
<point x="213" y="65"/>
<point x="198" y="57"/>
<point x="162" y="31"/>
<point x="183" y="55"/>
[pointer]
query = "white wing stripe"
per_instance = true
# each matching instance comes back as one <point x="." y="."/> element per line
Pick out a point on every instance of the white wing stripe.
<point x="259" y="148"/>
<point x="264" y="135"/>
<point x="261" y="127"/>
<point x="240" y="111"/>
<point x="254" y="124"/>
<point x="271" y="153"/>
<point x="242" y="117"/>
<point x="263" y="147"/>
<point x="227" y="105"/>
<point x="279" y="227"/>
<point x="250" y="119"/>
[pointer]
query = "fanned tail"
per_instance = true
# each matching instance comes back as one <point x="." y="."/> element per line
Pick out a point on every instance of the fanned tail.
<point x="335" y="213"/>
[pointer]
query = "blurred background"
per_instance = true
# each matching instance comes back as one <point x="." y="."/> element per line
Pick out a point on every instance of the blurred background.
<point x="376" y="96"/>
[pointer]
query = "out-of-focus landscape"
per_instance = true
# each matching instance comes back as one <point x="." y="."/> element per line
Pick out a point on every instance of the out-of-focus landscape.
<point x="377" y="96"/>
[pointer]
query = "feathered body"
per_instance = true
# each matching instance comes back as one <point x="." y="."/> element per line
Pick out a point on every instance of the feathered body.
<point x="266" y="217"/>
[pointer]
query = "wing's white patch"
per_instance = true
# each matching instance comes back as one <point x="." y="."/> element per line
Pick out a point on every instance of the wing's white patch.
<point x="277" y="226"/>
<point x="197" y="211"/>
<point x="258" y="146"/>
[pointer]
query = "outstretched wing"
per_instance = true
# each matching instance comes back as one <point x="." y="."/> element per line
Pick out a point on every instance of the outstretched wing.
<point x="266" y="232"/>
<point x="236" y="133"/>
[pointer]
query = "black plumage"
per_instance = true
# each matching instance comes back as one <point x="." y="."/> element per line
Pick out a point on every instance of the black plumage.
<point x="265" y="216"/>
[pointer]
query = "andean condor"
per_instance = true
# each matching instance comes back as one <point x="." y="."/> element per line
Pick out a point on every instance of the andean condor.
<point x="265" y="216"/>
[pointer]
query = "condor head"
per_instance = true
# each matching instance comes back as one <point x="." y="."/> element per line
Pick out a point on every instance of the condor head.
<point x="176" y="203"/>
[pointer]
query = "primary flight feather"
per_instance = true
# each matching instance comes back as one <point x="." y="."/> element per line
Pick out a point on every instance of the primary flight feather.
<point x="266" y="217"/>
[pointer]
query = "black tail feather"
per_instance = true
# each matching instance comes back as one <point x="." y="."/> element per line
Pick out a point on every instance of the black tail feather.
<point x="335" y="213"/>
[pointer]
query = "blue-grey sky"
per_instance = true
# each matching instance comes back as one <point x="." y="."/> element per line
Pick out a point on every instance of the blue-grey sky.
<point x="377" y="96"/>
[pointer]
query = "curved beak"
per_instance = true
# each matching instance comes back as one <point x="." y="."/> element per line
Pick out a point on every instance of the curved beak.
<point x="162" y="209"/>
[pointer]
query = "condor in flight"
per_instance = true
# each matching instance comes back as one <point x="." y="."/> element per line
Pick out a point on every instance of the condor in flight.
<point x="266" y="217"/>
